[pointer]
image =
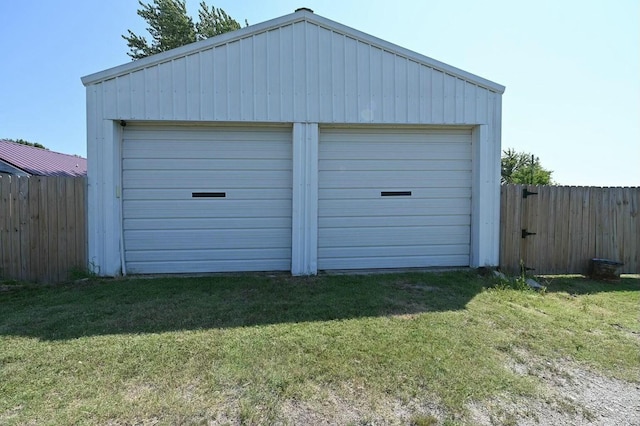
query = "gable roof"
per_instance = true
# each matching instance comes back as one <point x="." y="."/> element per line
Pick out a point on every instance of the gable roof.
<point x="41" y="162"/>
<point x="302" y="15"/>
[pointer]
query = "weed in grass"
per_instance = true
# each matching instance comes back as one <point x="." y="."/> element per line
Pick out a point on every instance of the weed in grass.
<point x="250" y="414"/>
<point x="423" y="420"/>
<point x="518" y="283"/>
<point x="81" y="273"/>
<point x="77" y="273"/>
<point x="504" y="418"/>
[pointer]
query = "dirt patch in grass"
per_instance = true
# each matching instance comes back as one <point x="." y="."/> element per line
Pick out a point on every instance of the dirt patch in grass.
<point x="570" y="395"/>
<point x="420" y="287"/>
<point x="350" y="407"/>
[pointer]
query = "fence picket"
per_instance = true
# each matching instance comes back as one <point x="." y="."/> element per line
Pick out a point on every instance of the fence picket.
<point x="574" y="242"/>
<point x="34" y="229"/>
<point x="5" y="212"/>
<point x="14" y="220"/>
<point x="71" y="223"/>
<point x="23" y="227"/>
<point x="587" y="234"/>
<point x="81" y="221"/>
<point x="550" y="229"/>
<point x="542" y="238"/>
<point x="634" y="230"/>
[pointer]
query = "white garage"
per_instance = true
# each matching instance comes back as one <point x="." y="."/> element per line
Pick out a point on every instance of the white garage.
<point x="297" y="144"/>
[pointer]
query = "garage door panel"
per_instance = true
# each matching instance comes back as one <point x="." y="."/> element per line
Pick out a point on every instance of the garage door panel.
<point x="381" y="176"/>
<point x="185" y="134"/>
<point x="396" y="251"/>
<point x="417" y="192"/>
<point x="411" y="136"/>
<point x="444" y="137"/>
<point x="194" y="185"/>
<point x="409" y="204"/>
<point x="377" y="237"/>
<point x="184" y="194"/>
<point x="200" y="266"/>
<point x="205" y="164"/>
<point x="392" y="221"/>
<point x="171" y="150"/>
<point x="340" y="182"/>
<point x="206" y="208"/>
<point x="403" y="152"/>
<point x="208" y="255"/>
<point x="377" y="149"/>
<point x="166" y="229"/>
<point x="360" y="228"/>
<point x="218" y="178"/>
<point x="208" y="223"/>
<point x="207" y="239"/>
<point x="395" y="165"/>
<point x="388" y="211"/>
<point x="360" y="208"/>
<point x="405" y="203"/>
<point x="389" y="262"/>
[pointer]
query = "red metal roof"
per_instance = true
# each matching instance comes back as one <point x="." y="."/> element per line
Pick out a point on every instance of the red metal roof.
<point x="42" y="162"/>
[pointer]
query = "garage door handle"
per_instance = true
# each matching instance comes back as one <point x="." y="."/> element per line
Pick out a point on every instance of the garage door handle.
<point x="395" y="193"/>
<point x="208" y="194"/>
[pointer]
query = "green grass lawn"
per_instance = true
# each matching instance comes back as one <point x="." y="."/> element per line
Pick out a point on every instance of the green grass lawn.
<point x="263" y="349"/>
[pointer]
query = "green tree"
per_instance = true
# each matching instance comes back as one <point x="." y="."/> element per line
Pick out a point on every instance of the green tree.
<point x="23" y="142"/>
<point x="214" y="22"/>
<point x="170" y="26"/>
<point x="523" y="168"/>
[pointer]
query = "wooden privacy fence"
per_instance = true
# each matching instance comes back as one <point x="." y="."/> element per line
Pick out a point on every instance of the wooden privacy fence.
<point x="42" y="227"/>
<point x="557" y="229"/>
<point x="551" y="229"/>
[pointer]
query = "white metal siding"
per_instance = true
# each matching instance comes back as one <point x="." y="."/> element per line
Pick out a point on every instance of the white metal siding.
<point x="168" y="231"/>
<point x="300" y="72"/>
<point x="359" y="228"/>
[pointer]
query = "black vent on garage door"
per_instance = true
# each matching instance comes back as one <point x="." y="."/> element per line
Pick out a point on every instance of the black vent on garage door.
<point x="395" y="193"/>
<point x="208" y="194"/>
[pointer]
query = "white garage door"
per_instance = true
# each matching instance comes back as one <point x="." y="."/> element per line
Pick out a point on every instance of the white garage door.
<point x="394" y="198"/>
<point x="203" y="199"/>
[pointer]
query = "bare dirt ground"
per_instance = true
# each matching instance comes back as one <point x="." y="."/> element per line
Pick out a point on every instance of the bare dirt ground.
<point x="570" y="395"/>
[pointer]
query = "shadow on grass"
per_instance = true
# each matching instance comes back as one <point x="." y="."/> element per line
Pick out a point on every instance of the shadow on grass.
<point x="144" y="305"/>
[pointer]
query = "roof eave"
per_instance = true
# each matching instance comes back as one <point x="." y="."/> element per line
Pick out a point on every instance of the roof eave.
<point x="394" y="48"/>
<point x="10" y="164"/>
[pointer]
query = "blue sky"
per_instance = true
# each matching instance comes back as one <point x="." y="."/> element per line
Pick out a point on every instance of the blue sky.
<point x="571" y="68"/>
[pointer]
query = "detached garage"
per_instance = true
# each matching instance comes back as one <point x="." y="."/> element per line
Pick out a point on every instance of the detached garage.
<point x="297" y="145"/>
